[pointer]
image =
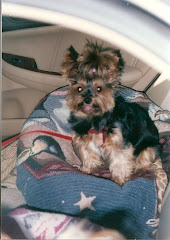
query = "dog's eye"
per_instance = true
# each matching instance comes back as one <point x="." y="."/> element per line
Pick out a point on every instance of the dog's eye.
<point x="98" y="89"/>
<point x="80" y="89"/>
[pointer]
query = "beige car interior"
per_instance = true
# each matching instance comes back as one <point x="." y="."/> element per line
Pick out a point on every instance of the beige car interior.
<point x="22" y="88"/>
<point x="44" y="46"/>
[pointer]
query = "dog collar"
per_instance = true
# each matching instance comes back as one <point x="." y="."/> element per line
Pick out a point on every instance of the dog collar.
<point x="104" y="132"/>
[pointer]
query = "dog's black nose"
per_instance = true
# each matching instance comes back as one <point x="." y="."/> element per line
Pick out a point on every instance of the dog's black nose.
<point x="87" y="100"/>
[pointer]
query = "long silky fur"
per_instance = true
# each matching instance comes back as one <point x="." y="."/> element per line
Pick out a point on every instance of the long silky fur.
<point x="132" y="142"/>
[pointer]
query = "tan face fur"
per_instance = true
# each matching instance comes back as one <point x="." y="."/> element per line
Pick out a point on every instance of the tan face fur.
<point x="101" y="96"/>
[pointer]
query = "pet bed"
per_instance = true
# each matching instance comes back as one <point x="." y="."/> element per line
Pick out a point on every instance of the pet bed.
<point x="49" y="178"/>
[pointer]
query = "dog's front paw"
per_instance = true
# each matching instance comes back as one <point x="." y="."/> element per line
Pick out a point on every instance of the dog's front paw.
<point x="91" y="165"/>
<point x="86" y="169"/>
<point x="121" y="171"/>
<point x="120" y="174"/>
<point x="119" y="180"/>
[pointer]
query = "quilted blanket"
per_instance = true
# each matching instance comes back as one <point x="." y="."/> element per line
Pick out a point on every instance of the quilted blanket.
<point x="49" y="177"/>
<point x="24" y="223"/>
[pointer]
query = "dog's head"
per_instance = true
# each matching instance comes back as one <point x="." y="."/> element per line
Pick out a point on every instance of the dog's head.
<point x="93" y="76"/>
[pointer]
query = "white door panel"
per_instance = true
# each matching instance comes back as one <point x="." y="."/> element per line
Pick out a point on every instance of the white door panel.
<point x="17" y="103"/>
<point x="35" y="80"/>
<point x="42" y="44"/>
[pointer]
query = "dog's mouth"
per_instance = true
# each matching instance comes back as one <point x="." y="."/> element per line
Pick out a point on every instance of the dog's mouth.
<point x="87" y="107"/>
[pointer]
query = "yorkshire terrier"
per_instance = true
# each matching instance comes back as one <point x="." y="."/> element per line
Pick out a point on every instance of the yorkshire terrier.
<point x="106" y="128"/>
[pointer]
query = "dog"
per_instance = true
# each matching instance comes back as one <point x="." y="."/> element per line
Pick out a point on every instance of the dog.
<point x="107" y="129"/>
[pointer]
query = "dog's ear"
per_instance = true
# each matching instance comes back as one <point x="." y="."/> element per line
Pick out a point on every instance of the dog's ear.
<point x="113" y="65"/>
<point x="120" y="60"/>
<point x="70" y="65"/>
<point x="115" y="68"/>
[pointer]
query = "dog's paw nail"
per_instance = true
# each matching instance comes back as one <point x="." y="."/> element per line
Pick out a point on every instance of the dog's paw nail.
<point x="119" y="182"/>
<point x="77" y="166"/>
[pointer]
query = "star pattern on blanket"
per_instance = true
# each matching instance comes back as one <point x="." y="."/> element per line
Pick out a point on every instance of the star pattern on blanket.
<point x="85" y="202"/>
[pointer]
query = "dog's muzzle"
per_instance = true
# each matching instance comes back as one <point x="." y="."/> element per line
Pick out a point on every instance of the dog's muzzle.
<point x="87" y="100"/>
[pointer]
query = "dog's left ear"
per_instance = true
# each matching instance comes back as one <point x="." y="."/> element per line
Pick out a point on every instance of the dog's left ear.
<point x="115" y="68"/>
<point x="121" y="62"/>
<point x="70" y="65"/>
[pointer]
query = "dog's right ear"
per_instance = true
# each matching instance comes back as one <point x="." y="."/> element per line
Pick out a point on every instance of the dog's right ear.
<point x="70" y="65"/>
